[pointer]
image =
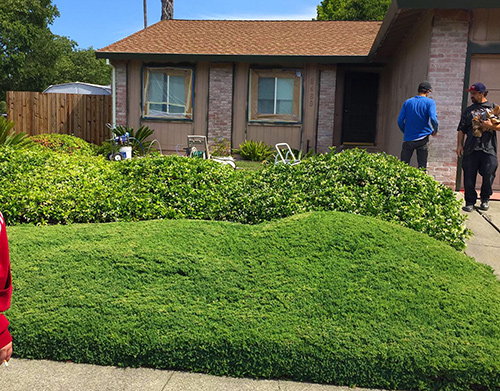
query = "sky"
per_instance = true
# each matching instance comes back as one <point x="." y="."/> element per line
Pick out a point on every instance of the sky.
<point x="98" y="23"/>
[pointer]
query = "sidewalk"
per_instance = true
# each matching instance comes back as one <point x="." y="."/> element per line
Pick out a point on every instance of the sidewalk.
<point x="41" y="375"/>
<point x="484" y="246"/>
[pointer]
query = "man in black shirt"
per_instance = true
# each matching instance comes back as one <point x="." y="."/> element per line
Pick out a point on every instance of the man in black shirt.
<point x="480" y="148"/>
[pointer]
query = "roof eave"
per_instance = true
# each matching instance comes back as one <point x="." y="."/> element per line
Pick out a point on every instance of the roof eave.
<point x="398" y="5"/>
<point x="447" y="4"/>
<point x="233" y="58"/>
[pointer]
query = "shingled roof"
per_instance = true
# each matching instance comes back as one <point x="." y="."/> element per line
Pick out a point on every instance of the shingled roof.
<point x="250" y="38"/>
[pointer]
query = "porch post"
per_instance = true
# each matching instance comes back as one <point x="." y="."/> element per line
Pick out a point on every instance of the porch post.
<point x="448" y="55"/>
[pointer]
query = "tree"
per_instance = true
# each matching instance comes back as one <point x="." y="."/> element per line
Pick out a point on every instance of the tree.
<point x="74" y="64"/>
<point x="352" y="9"/>
<point x="32" y="58"/>
<point x="23" y="28"/>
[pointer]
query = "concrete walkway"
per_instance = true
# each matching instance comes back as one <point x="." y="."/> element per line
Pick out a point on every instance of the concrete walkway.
<point x="484" y="246"/>
<point x="40" y="375"/>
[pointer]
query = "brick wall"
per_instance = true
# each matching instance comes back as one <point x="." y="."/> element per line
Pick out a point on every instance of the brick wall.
<point x="220" y="102"/>
<point x="447" y="63"/>
<point x="326" y="109"/>
<point x="121" y="92"/>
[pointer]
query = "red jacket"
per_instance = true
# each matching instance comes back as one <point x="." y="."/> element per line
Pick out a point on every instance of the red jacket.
<point x="5" y="284"/>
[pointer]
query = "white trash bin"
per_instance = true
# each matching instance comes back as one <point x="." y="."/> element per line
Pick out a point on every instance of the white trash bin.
<point x="127" y="152"/>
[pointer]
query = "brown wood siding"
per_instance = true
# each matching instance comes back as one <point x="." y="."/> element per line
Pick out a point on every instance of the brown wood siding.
<point x="83" y="116"/>
<point x="134" y="91"/>
<point x="399" y="81"/>
<point x="484" y="68"/>
<point x="310" y="96"/>
<point x="201" y="99"/>
<point x="273" y="134"/>
<point x="170" y="134"/>
<point x="485" y="25"/>
<point x="240" y="104"/>
<point x="339" y="107"/>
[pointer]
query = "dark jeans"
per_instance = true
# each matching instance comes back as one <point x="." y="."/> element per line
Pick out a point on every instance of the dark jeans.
<point x="422" y="147"/>
<point x="486" y="165"/>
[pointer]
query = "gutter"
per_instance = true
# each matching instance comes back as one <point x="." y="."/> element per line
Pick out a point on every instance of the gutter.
<point x="234" y="58"/>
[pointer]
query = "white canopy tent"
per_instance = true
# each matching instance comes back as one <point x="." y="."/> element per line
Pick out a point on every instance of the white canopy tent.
<point x="79" y="88"/>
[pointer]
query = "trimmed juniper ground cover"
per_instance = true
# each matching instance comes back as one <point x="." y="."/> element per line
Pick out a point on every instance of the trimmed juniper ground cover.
<point x="325" y="297"/>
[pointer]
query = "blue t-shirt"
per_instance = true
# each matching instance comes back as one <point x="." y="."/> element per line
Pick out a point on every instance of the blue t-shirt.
<point x="418" y="118"/>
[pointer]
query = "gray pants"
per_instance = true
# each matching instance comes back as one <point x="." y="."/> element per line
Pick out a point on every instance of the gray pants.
<point x="422" y="148"/>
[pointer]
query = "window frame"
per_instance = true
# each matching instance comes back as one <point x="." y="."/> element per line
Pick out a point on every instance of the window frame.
<point x="253" y="95"/>
<point x="188" y="73"/>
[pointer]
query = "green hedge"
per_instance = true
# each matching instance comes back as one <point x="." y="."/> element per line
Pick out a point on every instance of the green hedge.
<point x="64" y="143"/>
<point x="47" y="187"/>
<point x="324" y="297"/>
<point x="370" y="184"/>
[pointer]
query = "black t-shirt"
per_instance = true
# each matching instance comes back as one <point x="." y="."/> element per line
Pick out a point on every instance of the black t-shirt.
<point x="488" y="141"/>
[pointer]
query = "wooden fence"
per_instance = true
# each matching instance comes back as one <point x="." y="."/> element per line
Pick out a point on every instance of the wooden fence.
<point x="84" y="116"/>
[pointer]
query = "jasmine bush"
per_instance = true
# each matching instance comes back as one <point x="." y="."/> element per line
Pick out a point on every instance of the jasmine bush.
<point x="64" y="143"/>
<point x="47" y="187"/>
<point x="354" y="181"/>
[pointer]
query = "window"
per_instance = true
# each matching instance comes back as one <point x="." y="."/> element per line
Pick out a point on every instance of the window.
<point x="168" y="93"/>
<point x="275" y="95"/>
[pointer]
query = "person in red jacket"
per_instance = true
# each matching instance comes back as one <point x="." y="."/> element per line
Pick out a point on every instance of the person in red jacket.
<point x="5" y="294"/>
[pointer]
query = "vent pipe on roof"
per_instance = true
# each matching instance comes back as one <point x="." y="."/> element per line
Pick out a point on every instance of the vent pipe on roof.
<point x="167" y="9"/>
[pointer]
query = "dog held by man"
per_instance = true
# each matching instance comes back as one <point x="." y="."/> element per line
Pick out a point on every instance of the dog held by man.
<point x="478" y="126"/>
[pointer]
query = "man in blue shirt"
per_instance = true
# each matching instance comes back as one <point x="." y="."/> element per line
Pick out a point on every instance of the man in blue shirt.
<point x="417" y="120"/>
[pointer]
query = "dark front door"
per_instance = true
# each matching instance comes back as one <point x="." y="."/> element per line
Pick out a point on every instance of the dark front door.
<point x="360" y="108"/>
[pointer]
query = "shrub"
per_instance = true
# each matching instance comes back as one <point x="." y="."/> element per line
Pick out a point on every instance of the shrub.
<point x="353" y="181"/>
<point x="140" y="135"/>
<point x="48" y="188"/>
<point x="221" y="147"/>
<point x="10" y="138"/>
<point x="323" y="297"/>
<point x="64" y="143"/>
<point x="255" y="151"/>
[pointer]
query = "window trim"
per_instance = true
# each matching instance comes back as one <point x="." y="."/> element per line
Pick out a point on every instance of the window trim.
<point x="253" y="94"/>
<point x="188" y="72"/>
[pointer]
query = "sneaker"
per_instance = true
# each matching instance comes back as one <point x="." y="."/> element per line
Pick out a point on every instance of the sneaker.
<point x="468" y="208"/>
<point x="485" y="205"/>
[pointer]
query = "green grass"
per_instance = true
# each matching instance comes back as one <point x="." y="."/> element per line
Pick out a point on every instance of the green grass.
<point x="324" y="297"/>
<point x="249" y="165"/>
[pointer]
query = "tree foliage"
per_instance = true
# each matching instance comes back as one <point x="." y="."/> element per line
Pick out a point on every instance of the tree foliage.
<point x="76" y="64"/>
<point x="32" y="57"/>
<point x="352" y="9"/>
<point x="23" y="26"/>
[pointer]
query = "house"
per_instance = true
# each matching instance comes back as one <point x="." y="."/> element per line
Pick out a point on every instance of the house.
<point x="313" y="84"/>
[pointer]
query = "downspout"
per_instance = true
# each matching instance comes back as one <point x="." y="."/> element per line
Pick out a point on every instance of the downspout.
<point x="113" y="93"/>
